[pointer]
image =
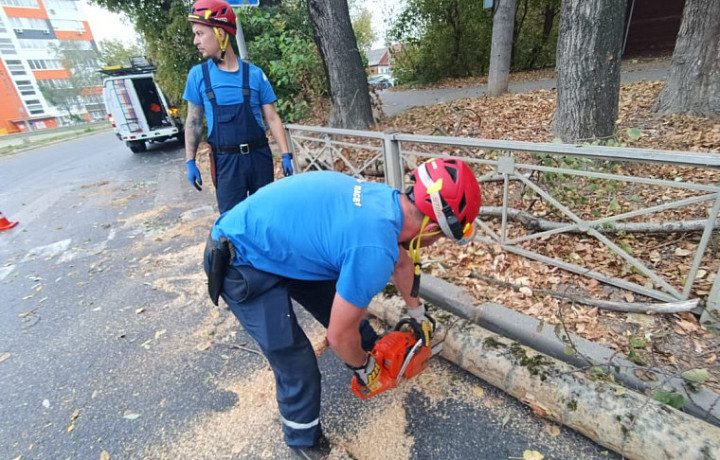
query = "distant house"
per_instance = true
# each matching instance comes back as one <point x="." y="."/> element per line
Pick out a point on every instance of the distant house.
<point x="379" y="62"/>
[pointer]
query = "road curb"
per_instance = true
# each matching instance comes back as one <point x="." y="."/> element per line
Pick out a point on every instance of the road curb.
<point x="627" y="422"/>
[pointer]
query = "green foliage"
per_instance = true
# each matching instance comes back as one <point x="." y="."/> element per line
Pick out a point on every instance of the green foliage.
<point x="278" y="38"/>
<point x="452" y="38"/>
<point x="361" y="19"/>
<point x="81" y="65"/>
<point x="115" y="52"/>
<point x="441" y="38"/>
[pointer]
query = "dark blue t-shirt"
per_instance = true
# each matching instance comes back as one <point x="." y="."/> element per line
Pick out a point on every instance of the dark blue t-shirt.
<point x="319" y="226"/>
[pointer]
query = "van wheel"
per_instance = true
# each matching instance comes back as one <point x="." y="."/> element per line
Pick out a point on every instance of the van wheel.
<point x="137" y="146"/>
<point x="181" y="137"/>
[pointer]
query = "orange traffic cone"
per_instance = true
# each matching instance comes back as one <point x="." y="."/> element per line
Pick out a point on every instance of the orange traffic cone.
<point x="6" y="224"/>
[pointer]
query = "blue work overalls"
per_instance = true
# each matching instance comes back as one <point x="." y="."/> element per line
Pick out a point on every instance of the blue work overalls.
<point x="242" y="160"/>
<point x="261" y="302"/>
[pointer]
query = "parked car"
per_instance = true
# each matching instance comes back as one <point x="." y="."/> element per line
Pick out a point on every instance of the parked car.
<point x="380" y="81"/>
<point x="137" y="108"/>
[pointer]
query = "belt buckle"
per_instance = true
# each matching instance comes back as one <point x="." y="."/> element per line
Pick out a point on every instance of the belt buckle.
<point x="244" y="148"/>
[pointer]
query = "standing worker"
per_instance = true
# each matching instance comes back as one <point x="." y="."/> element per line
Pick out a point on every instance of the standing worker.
<point x="331" y="243"/>
<point x="234" y="97"/>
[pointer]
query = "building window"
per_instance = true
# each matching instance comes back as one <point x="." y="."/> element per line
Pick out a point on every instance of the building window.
<point x="25" y="87"/>
<point x="6" y="46"/>
<point x="34" y="106"/>
<point x="60" y="5"/>
<point x="20" y="3"/>
<point x="22" y="24"/>
<point x="15" y="67"/>
<point x="35" y="44"/>
<point x="66" y="24"/>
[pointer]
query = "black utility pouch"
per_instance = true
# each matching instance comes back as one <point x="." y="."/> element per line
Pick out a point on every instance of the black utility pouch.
<point x="219" y="261"/>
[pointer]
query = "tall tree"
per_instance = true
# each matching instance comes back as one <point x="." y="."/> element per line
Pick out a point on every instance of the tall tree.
<point x="343" y="66"/>
<point x="81" y="65"/>
<point x="588" y="69"/>
<point x="501" y="48"/>
<point x="361" y="19"/>
<point x="115" y="52"/>
<point x="693" y="84"/>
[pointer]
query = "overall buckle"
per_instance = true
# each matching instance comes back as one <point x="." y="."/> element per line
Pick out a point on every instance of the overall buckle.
<point x="244" y="148"/>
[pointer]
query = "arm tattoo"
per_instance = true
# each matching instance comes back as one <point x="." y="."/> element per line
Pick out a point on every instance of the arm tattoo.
<point x="193" y="130"/>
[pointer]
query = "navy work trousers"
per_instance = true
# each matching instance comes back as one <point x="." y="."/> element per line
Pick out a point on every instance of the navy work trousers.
<point x="261" y="302"/>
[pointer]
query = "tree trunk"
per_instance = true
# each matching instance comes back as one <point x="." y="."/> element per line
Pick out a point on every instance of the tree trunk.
<point x="693" y="84"/>
<point x="501" y="52"/>
<point x="627" y="422"/>
<point x="338" y="49"/>
<point x="588" y="69"/>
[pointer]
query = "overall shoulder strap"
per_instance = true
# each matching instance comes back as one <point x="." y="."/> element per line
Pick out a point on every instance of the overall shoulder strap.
<point x="246" y="81"/>
<point x="208" y="83"/>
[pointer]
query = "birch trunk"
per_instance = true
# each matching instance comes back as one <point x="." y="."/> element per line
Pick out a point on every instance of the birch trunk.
<point x="620" y="419"/>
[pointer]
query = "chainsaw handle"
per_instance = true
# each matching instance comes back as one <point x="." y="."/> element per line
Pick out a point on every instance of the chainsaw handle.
<point x="414" y="325"/>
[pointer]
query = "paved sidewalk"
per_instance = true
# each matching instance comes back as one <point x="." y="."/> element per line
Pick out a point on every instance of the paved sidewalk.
<point x="395" y="102"/>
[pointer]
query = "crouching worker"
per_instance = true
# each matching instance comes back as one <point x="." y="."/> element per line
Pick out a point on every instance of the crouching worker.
<point x="331" y="243"/>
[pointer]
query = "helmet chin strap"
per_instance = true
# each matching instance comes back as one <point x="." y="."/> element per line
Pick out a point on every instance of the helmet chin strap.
<point x="414" y="250"/>
<point x="223" y="44"/>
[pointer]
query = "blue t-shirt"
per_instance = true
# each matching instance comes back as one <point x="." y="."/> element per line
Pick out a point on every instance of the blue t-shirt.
<point x="319" y="226"/>
<point x="228" y="90"/>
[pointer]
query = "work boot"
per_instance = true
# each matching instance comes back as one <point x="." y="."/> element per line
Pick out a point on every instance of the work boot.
<point x="319" y="451"/>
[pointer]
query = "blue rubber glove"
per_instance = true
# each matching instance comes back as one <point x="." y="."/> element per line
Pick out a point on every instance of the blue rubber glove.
<point x="287" y="164"/>
<point x="193" y="174"/>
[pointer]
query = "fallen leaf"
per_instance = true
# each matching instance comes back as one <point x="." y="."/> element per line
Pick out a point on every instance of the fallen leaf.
<point x="130" y="415"/>
<point x="139" y="310"/>
<point x="478" y="391"/>
<point x="4" y="356"/>
<point x="505" y="420"/>
<point x="696" y="375"/>
<point x="532" y="455"/>
<point x="204" y="346"/>
<point x="104" y="455"/>
<point x="159" y="333"/>
<point x="552" y="430"/>
<point x="682" y="252"/>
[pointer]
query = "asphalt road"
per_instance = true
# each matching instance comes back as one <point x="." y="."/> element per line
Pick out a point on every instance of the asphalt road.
<point x="109" y="347"/>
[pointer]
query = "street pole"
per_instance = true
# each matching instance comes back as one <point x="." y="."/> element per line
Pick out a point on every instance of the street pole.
<point x="242" y="48"/>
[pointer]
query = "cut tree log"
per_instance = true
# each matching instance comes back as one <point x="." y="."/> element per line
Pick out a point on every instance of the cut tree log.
<point x="627" y="422"/>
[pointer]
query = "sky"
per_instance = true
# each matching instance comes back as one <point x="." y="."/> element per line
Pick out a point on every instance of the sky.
<point x="108" y="26"/>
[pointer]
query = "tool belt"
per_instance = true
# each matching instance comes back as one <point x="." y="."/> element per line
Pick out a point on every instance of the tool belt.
<point x="242" y="149"/>
<point x="219" y="257"/>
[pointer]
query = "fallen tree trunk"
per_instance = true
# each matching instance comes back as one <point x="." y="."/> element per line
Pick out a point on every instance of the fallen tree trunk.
<point x="700" y="402"/>
<point x="626" y="422"/>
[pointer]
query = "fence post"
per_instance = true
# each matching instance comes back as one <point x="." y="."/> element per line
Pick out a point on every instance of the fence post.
<point x="393" y="165"/>
<point x="291" y="149"/>
<point x="710" y="317"/>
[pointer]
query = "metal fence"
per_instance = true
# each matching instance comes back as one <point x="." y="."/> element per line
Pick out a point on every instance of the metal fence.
<point x="643" y="221"/>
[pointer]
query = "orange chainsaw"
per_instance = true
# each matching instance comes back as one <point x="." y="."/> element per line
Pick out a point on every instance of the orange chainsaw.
<point x="401" y="355"/>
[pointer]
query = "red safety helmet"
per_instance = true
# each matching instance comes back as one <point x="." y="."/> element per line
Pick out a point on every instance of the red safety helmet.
<point x="447" y="192"/>
<point x="214" y="13"/>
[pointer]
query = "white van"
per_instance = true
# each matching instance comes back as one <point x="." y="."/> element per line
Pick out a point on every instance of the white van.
<point x="136" y="106"/>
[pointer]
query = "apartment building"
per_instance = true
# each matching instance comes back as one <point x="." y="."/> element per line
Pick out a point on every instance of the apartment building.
<point x="31" y="32"/>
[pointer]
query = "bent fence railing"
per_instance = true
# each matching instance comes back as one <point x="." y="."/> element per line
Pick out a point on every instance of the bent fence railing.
<point x="641" y="220"/>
